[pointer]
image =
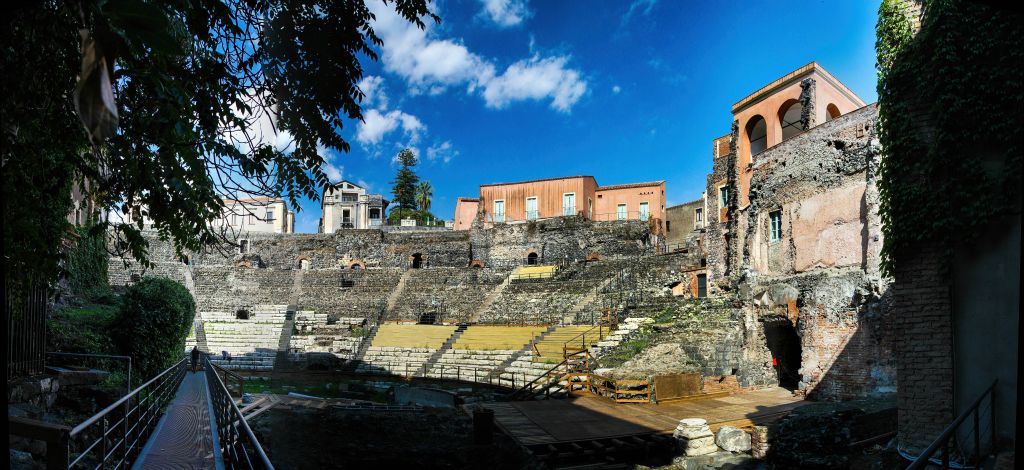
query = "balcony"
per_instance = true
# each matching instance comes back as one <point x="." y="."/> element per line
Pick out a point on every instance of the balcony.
<point x="532" y="215"/>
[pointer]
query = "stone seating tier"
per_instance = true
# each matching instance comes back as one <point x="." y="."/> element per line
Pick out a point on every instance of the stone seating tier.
<point x="485" y="337"/>
<point x="412" y="336"/>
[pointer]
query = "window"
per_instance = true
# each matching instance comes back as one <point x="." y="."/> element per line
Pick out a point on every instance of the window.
<point x="499" y="211"/>
<point x="620" y="213"/>
<point x="590" y="208"/>
<point x="374" y="213"/>
<point x="698" y="218"/>
<point x="757" y="134"/>
<point x="569" y="204"/>
<point x="531" y="208"/>
<point x="269" y="216"/>
<point x="775" y="220"/>
<point x="790" y="119"/>
<point x="252" y="218"/>
<point x="723" y="196"/>
<point x="644" y="212"/>
<point x="668" y="225"/>
<point x="702" y="286"/>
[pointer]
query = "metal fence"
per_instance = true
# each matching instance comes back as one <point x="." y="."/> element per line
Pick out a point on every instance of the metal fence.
<point x="238" y="445"/>
<point x="25" y="309"/>
<point x="101" y="361"/>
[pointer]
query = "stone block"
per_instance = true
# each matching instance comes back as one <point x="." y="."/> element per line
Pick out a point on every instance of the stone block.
<point x="732" y="439"/>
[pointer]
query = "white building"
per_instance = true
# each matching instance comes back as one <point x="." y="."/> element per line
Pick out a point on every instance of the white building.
<point x="346" y="205"/>
<point x="261" y="214"/>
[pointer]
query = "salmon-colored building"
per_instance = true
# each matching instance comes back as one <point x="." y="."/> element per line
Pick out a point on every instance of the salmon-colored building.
<point x="775" y="113"/>
<point x="564" y="196"/>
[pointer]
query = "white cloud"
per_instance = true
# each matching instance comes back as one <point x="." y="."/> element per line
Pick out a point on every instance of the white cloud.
<point x="373" y="92"/>
<point x="433" y="65"/>
<point x="377" y="125"/>
<point x="443" y="152"/>
<point x="537" y="79"/>
<point x="638" y="6"/>
<point x="505" y="13"/>
<point x="616" y="89"/>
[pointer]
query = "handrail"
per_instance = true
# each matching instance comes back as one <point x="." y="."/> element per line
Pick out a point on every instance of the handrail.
<point x="96" y="417"/>
<point x="238" y="447"/>
<point x="528" y="386"/>
<point x="119" y="436"/>
<point x="238" y="377"/>
<point x="942" y="442"/>
<point x="600" y="337"/>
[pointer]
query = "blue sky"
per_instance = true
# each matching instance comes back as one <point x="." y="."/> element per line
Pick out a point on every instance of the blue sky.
<point x="508" y="90"/>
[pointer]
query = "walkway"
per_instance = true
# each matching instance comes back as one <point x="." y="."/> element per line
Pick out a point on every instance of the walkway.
<point x="184" y="437"/>
<point x="590" y="417"/>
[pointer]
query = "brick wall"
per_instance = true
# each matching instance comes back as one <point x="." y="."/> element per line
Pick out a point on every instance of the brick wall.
<point x="924" y="346"/>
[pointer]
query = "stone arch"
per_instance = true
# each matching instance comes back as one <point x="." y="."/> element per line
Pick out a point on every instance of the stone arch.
<point x="304" y="263"/>
<point x="532" y="259"/>
<point x="356" y="264"/>
<point x="831" y="112"/>
<point x="755" y="134"/>
<point x="476" y="264"/>
<point x="595" y="256"/>
<point x="243" y="263"/>
<point x="790" y="122"/>
<point x="417" y="260"/>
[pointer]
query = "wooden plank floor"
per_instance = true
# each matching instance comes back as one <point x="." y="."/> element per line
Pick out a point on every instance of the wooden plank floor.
<point x="591" y="417"/>
<point x="184" y="437"/>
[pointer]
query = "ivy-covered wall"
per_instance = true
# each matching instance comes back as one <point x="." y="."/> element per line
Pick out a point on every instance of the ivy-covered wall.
<point x="950" y="113"/>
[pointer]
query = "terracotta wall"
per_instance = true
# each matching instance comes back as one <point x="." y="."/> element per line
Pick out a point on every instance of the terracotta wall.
<point x="465" y="212"/>
<point x="548" y="192"/>
<point x="608" y="200"/>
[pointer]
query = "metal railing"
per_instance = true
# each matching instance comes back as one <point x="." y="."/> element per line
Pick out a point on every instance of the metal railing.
<point x="238" y="445"/>
<point x="113" y="437"/>
<point x="599" y="332"/>
<point x="943" y="442"/>
<point x="25" y="310"/>
<point x="621" y="216"/>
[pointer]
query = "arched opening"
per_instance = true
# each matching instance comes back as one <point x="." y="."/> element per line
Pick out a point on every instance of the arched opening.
<point x="304" y="264"/>
<point x="417" y="260"/>
<point x="831" y="112"/>
<point x="594" y="257"/>
<point x="476" y="264"/>
<point x="784" y="344"/>
<point x="531" y="259"/>
<point x="241" y="314"/>
<point x="356" y="265"/>
<point x="789" y="119"/>
<point x="757" y="135"/>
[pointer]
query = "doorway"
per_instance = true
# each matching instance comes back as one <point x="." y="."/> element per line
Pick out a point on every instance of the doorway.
<point x="417" y="260"/>
<point x="531" y="259"/>
<point x="784" y="344"/>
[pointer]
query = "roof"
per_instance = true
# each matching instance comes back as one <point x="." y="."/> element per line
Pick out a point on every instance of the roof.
<point x="538" y="180"/>
<point x="469" y="199"/>
<point x="346" y="181"/>
<point x="792" y="77"/>
<point x="695" y="201"/>
<point x="632" y="185"/>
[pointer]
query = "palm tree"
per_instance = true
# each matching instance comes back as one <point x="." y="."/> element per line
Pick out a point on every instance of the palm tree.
<point x="423" y="194"/>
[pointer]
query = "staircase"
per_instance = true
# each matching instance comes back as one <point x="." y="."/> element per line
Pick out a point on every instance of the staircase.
<point x="436" y="356"/>
<point x="518" y="354"/>
<point x="559" y="380"/>
<point x="489" y="300"/>
<point x="282" y="361"/>
<point x="570" y="317"/>
<point x="200" y="333"/>
<point x="368" y="339"/>
<point x="397" y="293"/>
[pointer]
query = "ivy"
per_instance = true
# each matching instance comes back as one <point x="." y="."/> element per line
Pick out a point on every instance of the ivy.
<point x="87" y="266"/>
<point x="950" y="104"/>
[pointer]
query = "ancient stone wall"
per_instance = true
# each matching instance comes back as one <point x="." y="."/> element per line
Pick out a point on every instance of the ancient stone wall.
<point x="562" y="239"/>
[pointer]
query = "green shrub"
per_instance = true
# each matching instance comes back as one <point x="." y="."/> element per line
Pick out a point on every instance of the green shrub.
<point x="83" y="329"/>
<point x="156" y="316"/>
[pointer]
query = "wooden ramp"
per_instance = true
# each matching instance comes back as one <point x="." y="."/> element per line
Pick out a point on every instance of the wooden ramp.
<point x="184" y="437"/>
<point x="585" y="418"/>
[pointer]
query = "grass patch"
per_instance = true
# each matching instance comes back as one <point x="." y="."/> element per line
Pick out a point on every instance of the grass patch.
<point x="83" y="329"/>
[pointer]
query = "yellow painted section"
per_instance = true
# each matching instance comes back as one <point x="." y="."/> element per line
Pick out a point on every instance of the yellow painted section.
<point x="412" y="336"/>
<point x="550" y="348"/>
<point x="485" y="337"/>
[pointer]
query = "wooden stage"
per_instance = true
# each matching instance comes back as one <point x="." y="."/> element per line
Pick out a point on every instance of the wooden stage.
<point x="590" y="417"/>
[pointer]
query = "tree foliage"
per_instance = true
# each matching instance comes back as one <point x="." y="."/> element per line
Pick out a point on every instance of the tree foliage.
<point x="424" y="194"/>
<point x="156" y="316"/>
<point x="404" y="186"/>
<point x="950" y="101"/>
<point x="87" y="266"/>
<point x="216" y="98"/>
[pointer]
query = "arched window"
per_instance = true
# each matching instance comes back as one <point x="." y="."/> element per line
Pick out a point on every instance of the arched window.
<point x="789" y="119"/>
<point x="531" y="259"/>
<point x="831" y="112"/>
<point x="757" y="135"/>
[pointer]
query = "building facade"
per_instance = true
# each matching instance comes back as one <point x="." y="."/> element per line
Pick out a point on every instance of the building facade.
<point x="559" y="197"/>
<point x="263" y="214"/>
<point x="682" y="220"/>
<point x="346" y="205"/>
